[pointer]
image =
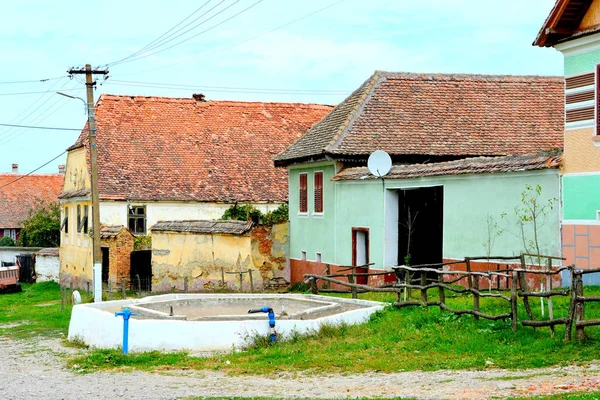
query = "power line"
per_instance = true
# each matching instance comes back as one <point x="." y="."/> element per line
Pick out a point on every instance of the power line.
<point x="226" y="88"/>
<point x="35" y="170"/>
<point x="42" y="127"/>
<point x="198" y="34"/>
<point x="44" y="80"/>
<point x="19" y="119"/>
<point x="28" y="93"/>
<point x="160" y="38"/>
<point x="244" y="41"/>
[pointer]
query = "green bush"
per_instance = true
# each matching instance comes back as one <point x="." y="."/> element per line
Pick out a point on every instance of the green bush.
<point x="242" y="212"/>
<point x="6" y="241"/>
<point x="278" y="216"/>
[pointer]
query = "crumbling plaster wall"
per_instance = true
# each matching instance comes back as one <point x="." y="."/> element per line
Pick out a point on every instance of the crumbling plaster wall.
<point x="202" y="258"/>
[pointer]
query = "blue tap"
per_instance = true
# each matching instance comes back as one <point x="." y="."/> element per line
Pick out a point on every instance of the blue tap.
<point x="271" y="314"/>
<point x="126" y="314"/>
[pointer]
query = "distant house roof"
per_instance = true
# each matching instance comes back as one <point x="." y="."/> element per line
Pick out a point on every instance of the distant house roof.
<point x="408" y="114"/>
<point x="183" y="149"/>
<point x="475" y="165"/>
<point x="111" y="231"/>
<point x="18" y="197"/>
<point x="228" y="227"/>
<point x="563" y="23"/>
<point x="50" y="252"/>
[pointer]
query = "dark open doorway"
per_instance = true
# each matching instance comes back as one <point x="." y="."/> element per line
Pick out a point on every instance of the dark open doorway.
<point x="420" y="216"/>
<point x="105" y="264"/>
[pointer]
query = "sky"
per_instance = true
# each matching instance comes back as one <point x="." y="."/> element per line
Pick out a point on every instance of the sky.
<point x="249" y="50"/>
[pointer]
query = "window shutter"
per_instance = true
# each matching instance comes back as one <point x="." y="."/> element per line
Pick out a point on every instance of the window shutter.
<point x="318" y="192"/>
<point x="597" y="100"/>
<point x="303" y="193"/>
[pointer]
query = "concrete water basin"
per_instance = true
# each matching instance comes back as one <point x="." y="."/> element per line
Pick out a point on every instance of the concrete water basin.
<point x="209" y="322"/>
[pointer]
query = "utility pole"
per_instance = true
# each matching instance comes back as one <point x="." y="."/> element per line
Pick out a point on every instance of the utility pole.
<point x="91" y="108"/>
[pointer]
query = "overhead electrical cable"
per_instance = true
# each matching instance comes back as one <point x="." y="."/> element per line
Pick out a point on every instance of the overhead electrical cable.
<point x="32" y="119"/>
<point x="242" y="42"/>
<point x="44" y="80"/>
<point x="28" y="93"/>
<point x="226" y="88"/>
<point x="35" y="170"/>
<point x="34" y="107"/>
<point x="164" y="35"/>
<point x="197" y="34"/>
<point x="55" y="128"/>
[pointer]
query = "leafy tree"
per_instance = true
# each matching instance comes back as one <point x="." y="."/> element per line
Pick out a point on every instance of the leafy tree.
<point x="42" y="227"/>
<point x="6" y="241"/>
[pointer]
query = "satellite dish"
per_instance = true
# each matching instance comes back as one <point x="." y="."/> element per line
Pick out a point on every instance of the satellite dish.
<point x="379" y="163"/>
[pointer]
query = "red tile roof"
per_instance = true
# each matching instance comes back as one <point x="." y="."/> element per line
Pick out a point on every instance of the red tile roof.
<point x="179" y="149"/>
<point x="474" y="165"/>
<point x="18" y="198"/>
<point x="438" y="115"/>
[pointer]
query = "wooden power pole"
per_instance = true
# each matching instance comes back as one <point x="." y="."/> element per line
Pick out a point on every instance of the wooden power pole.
<point x="91" y="108"/>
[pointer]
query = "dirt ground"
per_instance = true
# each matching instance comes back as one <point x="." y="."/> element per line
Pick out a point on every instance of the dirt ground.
<point x="35" y="369"/>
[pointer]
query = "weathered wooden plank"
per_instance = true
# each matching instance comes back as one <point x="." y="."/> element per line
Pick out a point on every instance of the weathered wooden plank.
<point x="553" y="322"/>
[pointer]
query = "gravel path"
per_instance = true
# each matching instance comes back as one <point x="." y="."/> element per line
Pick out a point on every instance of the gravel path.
<point x="35" y="369"/>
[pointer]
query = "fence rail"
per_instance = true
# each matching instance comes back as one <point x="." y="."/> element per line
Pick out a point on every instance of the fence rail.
<point x="424" y="278"/>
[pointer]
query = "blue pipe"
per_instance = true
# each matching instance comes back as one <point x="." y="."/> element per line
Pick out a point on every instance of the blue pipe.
<point x="271" y="314"/>
<point x="126" y="314"/>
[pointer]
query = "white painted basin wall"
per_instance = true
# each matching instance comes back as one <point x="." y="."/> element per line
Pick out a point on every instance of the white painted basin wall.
<point x="102" y="329"/>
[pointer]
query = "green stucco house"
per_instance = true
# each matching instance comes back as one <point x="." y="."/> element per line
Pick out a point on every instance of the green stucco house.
<point x="464" y="148"/>
<point x="573" y="28"/>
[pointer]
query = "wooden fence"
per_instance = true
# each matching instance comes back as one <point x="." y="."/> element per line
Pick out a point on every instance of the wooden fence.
<point x="424" y="278"/>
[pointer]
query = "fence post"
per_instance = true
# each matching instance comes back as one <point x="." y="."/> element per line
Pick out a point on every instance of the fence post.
<point x="352" y="279"/>
<point x="441" y="292"/>
<point x="407" y="281"/>
<point x="88" y="286"/>
<point x="468" y="268"/>
<point x="185" y="284"/>
<point x="123" y="288"/>
<point x="222" y="277"/>
<point x="71" y="290"/>
<point x="251" y="281"/>
<point x="475" y="280"/>
<point x="139" y="285"/>
<point x="313" y="285"/>
<point x="549" y="286"/>
<point x="523" y="284"/>
<point x="513" y="301"/>
<point x="572" y="305"/>
<point x="423" y="290"/>
<point x="579" y="308"/>
<point x="109" y="290"/>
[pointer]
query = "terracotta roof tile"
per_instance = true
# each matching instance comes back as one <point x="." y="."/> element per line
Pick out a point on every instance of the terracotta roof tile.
<point x="18" y="198"/>
<point x="111" y="231"/>
<point x="176" y="149"/>
<point x="228" y="227"/>
<point x="475" y="165"/>
<point x="49" y="251"/>
<point x="439" y="115"/>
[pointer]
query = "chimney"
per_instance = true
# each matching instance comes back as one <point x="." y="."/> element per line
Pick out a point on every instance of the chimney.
<point x="61" y="169"/>
<point x="199" y="97"/>
<point x="15" y="168"/>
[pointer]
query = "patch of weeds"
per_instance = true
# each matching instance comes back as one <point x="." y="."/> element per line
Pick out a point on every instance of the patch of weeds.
<point x="76" y="343"/>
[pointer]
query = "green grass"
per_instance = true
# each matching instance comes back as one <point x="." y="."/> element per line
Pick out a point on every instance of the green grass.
<point x="393" y="340"/>
<point x="562" y="396"/>
<point x="34" y="312"/>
